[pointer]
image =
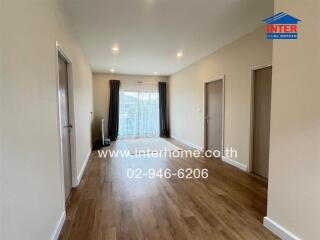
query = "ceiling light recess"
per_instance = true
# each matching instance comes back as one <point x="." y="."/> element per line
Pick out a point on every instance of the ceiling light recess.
<point x="115" y="50"/>
<point x="179" y="54"/>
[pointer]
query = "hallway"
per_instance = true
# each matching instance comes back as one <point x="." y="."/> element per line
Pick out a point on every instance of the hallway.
<point x="218" y="76"/>
<point x="229" y="204"/>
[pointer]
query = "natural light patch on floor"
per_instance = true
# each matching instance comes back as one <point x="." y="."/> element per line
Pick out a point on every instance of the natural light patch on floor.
<point x="149" y="145"/>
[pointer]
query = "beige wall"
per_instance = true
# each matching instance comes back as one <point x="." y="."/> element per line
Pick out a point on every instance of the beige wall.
<point x="294" y="175"/>
<point x="187" y="92"/>
<point x="1" y="129"/>
<point x="101" y="95"/>
<point x="33" y="198"/>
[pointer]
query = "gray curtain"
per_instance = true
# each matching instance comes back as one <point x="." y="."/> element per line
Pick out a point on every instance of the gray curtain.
<point x="113" y="122"/>
<point x="163" y="111"/>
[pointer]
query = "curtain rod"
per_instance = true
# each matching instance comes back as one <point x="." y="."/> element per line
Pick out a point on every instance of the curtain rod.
<point x="141" y="82"/>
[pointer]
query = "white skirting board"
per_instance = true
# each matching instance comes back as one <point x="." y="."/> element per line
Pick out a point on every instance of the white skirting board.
<point x="235" y="164"/>
<point x="59" y="226"/>
<point x="83" y="167"/>
<point x="187" y="143"/>
<point x="278" y="230"/>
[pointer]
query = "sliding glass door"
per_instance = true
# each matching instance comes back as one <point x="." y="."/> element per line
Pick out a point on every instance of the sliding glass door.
<point x="139" y="112"/>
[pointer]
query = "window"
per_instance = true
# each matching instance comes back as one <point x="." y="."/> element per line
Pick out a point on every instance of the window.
<point x="139" y="110"/>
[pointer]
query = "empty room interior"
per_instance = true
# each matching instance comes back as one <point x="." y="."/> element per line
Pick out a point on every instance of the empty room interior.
<point x="159" y="119"/>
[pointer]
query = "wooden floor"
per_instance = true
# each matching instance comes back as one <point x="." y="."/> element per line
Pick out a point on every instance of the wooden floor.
<point x="230" y="204"/>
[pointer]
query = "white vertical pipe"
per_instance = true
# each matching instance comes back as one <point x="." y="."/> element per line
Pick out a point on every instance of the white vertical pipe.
<point x="102" y="130"/>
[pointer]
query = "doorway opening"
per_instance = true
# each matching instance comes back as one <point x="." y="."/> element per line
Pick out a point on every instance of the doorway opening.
<point x="214" y="115"/>
<point x="139" y="110"/>
<point x="261" y="111"/>
<point x="66" y="121"/>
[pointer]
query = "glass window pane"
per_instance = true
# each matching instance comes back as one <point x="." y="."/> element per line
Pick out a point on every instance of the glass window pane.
<point x="139" y="114"/>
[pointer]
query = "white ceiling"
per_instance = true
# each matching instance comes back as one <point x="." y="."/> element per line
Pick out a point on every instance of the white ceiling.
<point x="149" y="33"/>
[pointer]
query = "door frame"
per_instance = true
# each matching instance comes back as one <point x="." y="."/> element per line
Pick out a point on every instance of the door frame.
<point x="221" y="77"/>
<point x="253" y="69"/>
<point x="60" y="51"/>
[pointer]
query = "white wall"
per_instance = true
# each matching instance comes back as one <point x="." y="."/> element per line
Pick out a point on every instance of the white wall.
<point x="294" y="171"/>
<point x="187" y="92"/>
<point x="102" y="95"/>
<point x="32" y="177"/>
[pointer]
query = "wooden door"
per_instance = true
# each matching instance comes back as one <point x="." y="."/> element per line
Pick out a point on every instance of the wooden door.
<point x="261" y="120"/>
<point x="65" y="124"/>
<point x="214" y="113"/>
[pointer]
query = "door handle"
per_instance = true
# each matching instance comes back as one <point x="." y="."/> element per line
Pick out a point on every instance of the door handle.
<point x="68" y="126"/>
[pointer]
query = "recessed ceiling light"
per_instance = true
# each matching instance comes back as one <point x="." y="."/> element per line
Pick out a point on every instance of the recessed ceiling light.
<point x="155" y="73"/>
<point x="115" y="50"/>
<point x="112" y="70"/>
<point x="179" y="54"/>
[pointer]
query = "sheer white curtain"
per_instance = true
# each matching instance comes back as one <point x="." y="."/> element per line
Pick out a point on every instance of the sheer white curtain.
<point x="139" y="110"/>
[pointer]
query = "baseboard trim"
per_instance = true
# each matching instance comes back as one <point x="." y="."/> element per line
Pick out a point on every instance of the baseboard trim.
<point x="279" y="230"/>
<point x="84" y="165"/>
<point x="59" y="226"/>
<point x="187" y="143"/>
<point x="236" y="164"/>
